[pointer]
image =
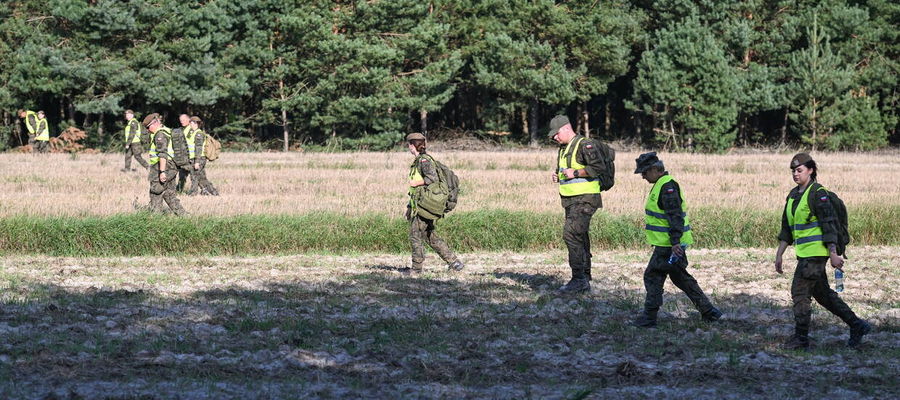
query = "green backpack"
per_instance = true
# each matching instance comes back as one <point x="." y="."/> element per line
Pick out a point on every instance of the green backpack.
<point x="439" y="197"/>
<point x="840" y="213"/>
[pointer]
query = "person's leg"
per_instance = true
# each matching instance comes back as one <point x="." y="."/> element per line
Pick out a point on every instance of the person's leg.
<point x="686" y="282"/>
<point x="829" y="299"/>
<point x="417" y="227"/>
<point x="801" y="294"/>
<point x="137" y="150"/>
<point x="439" y="245"/>
<point x="575" y="235"/>
<point x="171" y="197"/>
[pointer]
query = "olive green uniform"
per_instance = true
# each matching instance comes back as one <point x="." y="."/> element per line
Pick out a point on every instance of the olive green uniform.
<point x="810" y="279"/>
<point x="134" y="149"/>
<point x="160" y="191"/>
<point x="421" y="224"/>
<point x="199" y="182"/>
<point x="658" y="269"/>
<point x="580" y="209"/>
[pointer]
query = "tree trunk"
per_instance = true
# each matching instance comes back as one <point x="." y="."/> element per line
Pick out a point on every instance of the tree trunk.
<point x="533" y="124"/>
<point x="62" y="110"/>
<point x="86" y="123"/>
<point x="523" y="114"/>
<point x="607" y="119"/>
<point x="585" y="120"/>
<point x="71" y="108"/>
<point x="285" y="129"/>
<point x="813" y="123"/>
<point x="100" y="127"/>
<point x="423" y="121"/>
<point x="784" y="129"/>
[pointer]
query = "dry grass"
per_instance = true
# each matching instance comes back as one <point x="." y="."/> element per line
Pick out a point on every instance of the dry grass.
<point x="359" y="183"/>
<point x="355" y="327"/>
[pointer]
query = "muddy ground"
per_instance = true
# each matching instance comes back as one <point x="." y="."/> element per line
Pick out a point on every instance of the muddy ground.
<point x="321" y="326"/>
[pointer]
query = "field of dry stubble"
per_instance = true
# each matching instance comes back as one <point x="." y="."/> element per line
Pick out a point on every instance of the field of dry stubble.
<point x="363" y="183"/>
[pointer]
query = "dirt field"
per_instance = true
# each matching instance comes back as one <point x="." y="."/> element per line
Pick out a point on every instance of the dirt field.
<point x="319" y="326"/>
<point x="298" y="183"/>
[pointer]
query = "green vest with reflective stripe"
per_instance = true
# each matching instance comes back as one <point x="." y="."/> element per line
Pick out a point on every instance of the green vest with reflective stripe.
<point x="128" y="132"/>
<point x="656" y="226"/>
<point x="31" y="128"/>
<point x="414" y="175"/>
<point x="805" y="227"/>
<point x="568" y="158"/>
<point x="43" y="133"/>
<point x="154" y="155"/>
<point x="189" y="136"/>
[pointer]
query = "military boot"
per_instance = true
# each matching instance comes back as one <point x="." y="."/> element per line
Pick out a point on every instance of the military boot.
<point x="587" y="273"/>
<point x="456" y="266"/>
<point x="858" y="329"/>
<point x="712" y="315"/>
<point x="415" y="269"/>
<point x="644" y="320"/>
<point x="578" y="284"/>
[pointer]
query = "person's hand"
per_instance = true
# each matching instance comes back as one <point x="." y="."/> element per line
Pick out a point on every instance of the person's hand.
<point x="570" y="173"/>
<point x="778" y="265"/>
<point x="678" y="250"/>
<point x="162" y="177"/>
<point x="555" y="177"/>
<point x="196" y="166"/>
<point x="837" y="261"/>
<point x="407" y="213"/>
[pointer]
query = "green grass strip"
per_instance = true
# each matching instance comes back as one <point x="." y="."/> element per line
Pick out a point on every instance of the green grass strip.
<point x="144" y="234"/>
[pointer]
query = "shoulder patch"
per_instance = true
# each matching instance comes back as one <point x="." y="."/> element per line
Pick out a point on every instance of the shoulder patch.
<point x="589" y="146"/>
<point x="423" y="159"/>
<point x="823" y="198"/>
<point x="670" y="190"/>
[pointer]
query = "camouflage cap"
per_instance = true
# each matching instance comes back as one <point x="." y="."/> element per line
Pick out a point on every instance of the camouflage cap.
<point x="196" y="119"/>
<point x="647" y="160"/>
<point x="129" y="112"/>
<point x="149" y="119"/>
<point x="415" y="136"/>
<point x="800" y="159"/>
<point x="557" y="122"/>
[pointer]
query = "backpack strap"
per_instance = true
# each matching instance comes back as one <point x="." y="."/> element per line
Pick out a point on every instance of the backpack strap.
<point x="572" y="152"/>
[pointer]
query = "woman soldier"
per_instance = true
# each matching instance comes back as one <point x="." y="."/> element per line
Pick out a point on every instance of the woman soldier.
<point x="809" y="223"/>
<point x="422" y="173"/>
<point x="196" y="139"/>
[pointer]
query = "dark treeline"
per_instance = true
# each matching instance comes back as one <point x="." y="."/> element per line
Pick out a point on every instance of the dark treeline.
<point x="702" y="75"/>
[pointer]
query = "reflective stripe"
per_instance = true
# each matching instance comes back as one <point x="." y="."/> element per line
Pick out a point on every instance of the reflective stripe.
<point x="577" y="180"/>
<point x="800" y="227"/>
<point x="655" y="228"/>
<point x="807" y="239"/>
<point x="660" y="215"/>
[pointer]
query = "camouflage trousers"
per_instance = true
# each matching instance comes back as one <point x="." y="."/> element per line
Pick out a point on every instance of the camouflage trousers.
<point x="183" y="172"/>
<point x="658" y="269"/>
<point x="421" y="231"/>
<point x="164" y="192"/>
<point x="578" y="241"/>
<point x="40" y="146"/>
<point x="134" y="150"/>
<point x="810" y="281"/>
<point x="199" y="183"/>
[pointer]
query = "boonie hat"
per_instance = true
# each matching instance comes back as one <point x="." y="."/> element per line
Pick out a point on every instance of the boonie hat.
<point x="196" y="119"/>
<point x="557" y="122"/>
<point x="647" y="160"/>
<point x="800" y="159"/>
<point x="415" y="136"/>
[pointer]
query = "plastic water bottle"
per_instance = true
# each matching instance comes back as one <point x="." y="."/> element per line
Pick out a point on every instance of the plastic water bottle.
<point x="838" y="280"/>
<point x="673" y="258"/>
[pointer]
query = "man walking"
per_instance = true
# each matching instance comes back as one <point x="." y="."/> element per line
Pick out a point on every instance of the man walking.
<point x="133" y="146"/>
<point x="163" y="172"/>
<point x="579" y="162"/>
<point x="196" y="139"/>
<point x="31" y="124"/>
<point x="668" y="230"/>
<point x="182" y="155"/>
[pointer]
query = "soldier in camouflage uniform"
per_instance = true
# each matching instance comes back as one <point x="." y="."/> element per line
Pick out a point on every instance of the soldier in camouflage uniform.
<point x="196" y="138"/>
<point x="163" y="171"/>
<point x="813" y="231"/>
<point x="182" y="154"/>
<point x="578" y="165"/>
<point x="133" y="148"/>
<point x="422" y="172"/>
<point x="42" y="138"/>
<point x="669" y="231"/>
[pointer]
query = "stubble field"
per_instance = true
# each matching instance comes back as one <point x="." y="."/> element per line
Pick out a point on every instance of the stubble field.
<point x="346" y="322"/>
<point x="318" y="326"/>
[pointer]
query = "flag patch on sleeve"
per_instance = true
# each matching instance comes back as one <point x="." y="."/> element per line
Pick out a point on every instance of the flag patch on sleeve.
<point x="670" y="190"/>
<point x="823" y="198"/>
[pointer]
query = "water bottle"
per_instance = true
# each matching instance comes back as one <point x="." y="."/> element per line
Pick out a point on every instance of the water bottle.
<point x="838" y="280"/>
<point x="673" y="258"/>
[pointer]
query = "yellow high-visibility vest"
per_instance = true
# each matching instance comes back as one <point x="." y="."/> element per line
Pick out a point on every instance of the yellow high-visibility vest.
<point x="43" y="132"/>
<point x="129" y="130"/>
<point x="574" y="186"/>
<point x="805" y="227"/>
<point x="656" y="227"/>
<point x="170" y="151"/>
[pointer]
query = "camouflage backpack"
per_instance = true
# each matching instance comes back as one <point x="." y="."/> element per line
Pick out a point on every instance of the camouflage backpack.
<point x="840" y="213"/>
<point x="211" y="148"/>
<point x="439" y="197"/>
